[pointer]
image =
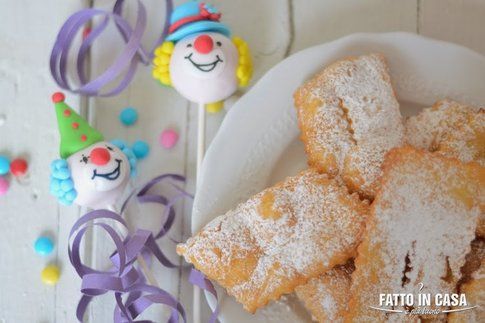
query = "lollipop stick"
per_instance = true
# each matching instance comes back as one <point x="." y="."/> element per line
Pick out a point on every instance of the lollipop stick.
<point x="143" y="265"/>
<point x="200" y="157"/>
<point x="200" y="137"/>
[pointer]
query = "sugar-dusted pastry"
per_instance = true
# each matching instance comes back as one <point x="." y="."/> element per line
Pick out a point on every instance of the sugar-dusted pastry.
<point x="349" y="118"/>
<point x="473" y="286"/>
<point x="279" y="238"/>
<point x="420" y="228"/>
<point x="475" y="295"/>
<point x="326" y="297"/>
<point x="451" y="129"/>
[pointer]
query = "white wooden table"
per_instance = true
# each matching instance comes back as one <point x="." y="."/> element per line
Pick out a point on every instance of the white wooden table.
<point x="273" y="28"/>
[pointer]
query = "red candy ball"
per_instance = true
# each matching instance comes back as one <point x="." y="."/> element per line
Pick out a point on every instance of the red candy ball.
<point x="203" y="44"/>
<point x="58" y="97"/>
<point x="86" y="32"/>
<point x="100" y="156"/>
<point x="18" y="167"/>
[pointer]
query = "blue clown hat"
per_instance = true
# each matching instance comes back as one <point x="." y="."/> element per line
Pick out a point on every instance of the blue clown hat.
<point x="195" y="17"/>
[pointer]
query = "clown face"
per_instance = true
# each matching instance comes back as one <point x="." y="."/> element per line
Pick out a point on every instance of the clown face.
<point x="100" y="173"/>
<point x="203" y="67"/>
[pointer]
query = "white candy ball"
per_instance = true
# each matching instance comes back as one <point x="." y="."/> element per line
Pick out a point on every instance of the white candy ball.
<point x="203" y="67"/>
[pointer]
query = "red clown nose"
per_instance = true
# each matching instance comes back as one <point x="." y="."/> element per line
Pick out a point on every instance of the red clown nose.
<point x="99" y="156"/>
<point x="203" y="44"/>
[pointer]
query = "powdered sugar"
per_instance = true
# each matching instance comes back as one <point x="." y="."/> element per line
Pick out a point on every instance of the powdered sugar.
<point x="327" y="296"/>
<point x="423" y="222"/>
<point x="450" y="128"/>
<point x="350" y="118"/>
<point x="258" y="256"/>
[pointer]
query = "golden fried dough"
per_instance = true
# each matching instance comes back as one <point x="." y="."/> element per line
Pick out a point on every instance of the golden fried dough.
<point x="279" y="238"/>
<point x="422" y="222"/>
<point x="326" y="297"/>
<point x="475" y="295"/>
<point x="349" y="118"/>
<point x="451" y="129"/>
<point x="473" y="287"/>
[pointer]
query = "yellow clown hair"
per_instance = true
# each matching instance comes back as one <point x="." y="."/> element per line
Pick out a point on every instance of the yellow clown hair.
<point x="245" y="67"/>
<point x="161" y="63"/>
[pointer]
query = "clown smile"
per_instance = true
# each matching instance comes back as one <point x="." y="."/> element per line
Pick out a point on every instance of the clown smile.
<point x="109" y="176"/>
<point x="204" y="67"/>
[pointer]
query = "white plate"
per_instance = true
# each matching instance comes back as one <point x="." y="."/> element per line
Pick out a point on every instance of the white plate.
<point x="258" y="144"/>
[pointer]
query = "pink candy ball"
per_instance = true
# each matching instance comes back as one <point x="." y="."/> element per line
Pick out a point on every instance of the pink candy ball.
<point x="168" y="138"/>
<point x="4" y="185"/>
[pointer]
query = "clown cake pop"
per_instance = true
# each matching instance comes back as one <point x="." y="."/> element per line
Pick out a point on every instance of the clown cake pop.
<point x="199" y="59"/>
<point x="92" y="172"/>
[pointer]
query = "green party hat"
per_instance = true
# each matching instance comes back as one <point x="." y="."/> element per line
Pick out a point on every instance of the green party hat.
<point x="76" y="133"/>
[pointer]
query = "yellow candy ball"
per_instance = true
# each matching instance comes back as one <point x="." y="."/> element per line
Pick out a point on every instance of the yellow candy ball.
<point x="163" y="69"/>
<point x="159" y="51"/>
<point x="163" y="59"/>
<point x="156" y="73"/>
<point x="244" y="49"/>
<point x="237" y="40"/>
<point x="214" y="107"/>
<point x="165" y="79"/>
<point x="244" y="81"/>
<point x="242" y="72"/>
<point x="50" y="275"/>
<point x="167" y="47"/>
<point x="244" y="60"/>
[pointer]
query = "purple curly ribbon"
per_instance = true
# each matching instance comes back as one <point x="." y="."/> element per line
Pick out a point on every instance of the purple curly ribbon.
<point x="123" y="278"/>
<point x="198" y="279"/>
<point x="126" y="62"/>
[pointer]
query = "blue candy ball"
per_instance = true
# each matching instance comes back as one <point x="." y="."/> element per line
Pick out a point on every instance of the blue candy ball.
<point x="55" y="184"/>
<point x="128" y="152"/>
<point x="64" y="201"/>
<point x="67" y="185"/>
<point x="43" y="246"/>
<point x="128" y="116"/>
<point x="62" y="173"/>
<point x="141" y="149"/>
<point x="61" y="163"/>
<point x="4" y="165"/>
<point x="70" y="196"/>
<point x="118" y="143"/>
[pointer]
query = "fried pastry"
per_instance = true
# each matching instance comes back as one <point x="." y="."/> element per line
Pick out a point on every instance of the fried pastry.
<point x="349" y="118"/>
<point x="473" y="286"/>
<point x="475" y="295"/>
<point x="451" y="129"/>
<point x="420" y="228"/>
<point x="326" y="297"/>
<point x="279" y="238"/>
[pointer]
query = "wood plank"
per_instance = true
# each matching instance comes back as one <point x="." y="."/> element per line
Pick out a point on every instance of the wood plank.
<point x="28" y="210"/>
<point x="458" y="21"/>
<point x="319" y="21"/>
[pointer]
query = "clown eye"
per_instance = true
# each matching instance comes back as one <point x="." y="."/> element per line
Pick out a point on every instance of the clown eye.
<point x="219" y="43"/>
<point x="189" y="45"/>
<point x="109" y="148"/>
<point x="84" y="160"/>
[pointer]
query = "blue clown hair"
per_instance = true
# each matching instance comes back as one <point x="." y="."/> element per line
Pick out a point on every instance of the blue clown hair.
<point x="130" y="155"/>
<point x="61" y="183"/>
